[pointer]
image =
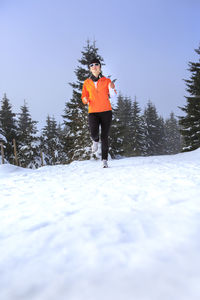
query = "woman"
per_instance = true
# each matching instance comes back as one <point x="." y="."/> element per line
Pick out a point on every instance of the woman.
<point x="95" y="93"/>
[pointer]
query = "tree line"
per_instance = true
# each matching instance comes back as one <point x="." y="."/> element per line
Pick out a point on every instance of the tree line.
<point x="133" y="133"/>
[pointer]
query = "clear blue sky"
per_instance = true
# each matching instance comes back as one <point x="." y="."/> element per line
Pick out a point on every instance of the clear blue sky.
<point x="146" y="45"/>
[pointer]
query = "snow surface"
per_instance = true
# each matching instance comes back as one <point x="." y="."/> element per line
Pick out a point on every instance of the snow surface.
<point x="78" y="231"/>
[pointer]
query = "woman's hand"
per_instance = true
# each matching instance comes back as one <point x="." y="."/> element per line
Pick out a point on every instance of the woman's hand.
<point x="85" y="100"/>
<point x="112" y="86"/>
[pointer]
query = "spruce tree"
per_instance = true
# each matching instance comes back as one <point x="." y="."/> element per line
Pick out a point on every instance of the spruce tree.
<point x="78" y="142"/>
<point x="127" y="132"/>
<point x="190" y="123"/>
<point x="51" y="142"/>
<point x="161" y="147"/>
<point x="28" y="141"/>
<point x="173" y="136"/>
<point x="61" y="134"/>
<point x="137" y="130"/>
<point x="116" y="138"/>
<point x="8" y="128"/>
<point x="153" y="130"/>
<point x="128" y="127"/>
<point x="124" y="118"/>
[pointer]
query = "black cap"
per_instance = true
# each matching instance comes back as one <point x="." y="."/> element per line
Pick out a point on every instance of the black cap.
<point x="94" y="60"/>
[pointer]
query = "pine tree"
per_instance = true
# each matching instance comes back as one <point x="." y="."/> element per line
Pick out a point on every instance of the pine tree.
<point x="153" y="130"/>
<point x="51" y="142"/>
<point x="190" y="124"/>
<point x="124" y="118"/>
<point x="8" y="128"/>
<point x="28" y="141"/>
<point x="173" y="136"/>
<point x="127" y="132"/>
<point x="161" y="147"/>
<point x="137" y="130"/>
<point x="61" y="134"/>
<point x="116" y="138"/>
<point x="128" y="128"/>
<point x="78" y="142"/>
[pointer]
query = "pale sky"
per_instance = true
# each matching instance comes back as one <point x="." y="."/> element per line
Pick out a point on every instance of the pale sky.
<point x="146" y="45"/>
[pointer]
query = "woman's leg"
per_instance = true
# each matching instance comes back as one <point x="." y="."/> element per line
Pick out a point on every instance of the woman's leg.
<point x="94" y="122"/>
<point x="105" y="121"/>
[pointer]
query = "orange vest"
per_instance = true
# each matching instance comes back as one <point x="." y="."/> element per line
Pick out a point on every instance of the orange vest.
<point x="97" y="96"/>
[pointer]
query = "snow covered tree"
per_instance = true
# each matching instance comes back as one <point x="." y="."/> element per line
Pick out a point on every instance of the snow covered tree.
<point x="190" y="123"/>
<point x="51" y="143"/>
<point x="137" y="130"/>
<point x="116" y="138"/>
<point x="153" y="127"/>
<point x="161" y="147"/>
<point x="172" y="135"/>
<point x="28" y="141"/>
<point x="127" y="137"/>
<point x="120" y="136"/>
<point x="77" y="141"/>
<point x="61" y="134"/>
<point x="127" y="124"/>
<point x="8" y="128"/>
<point x="124" y="119"/>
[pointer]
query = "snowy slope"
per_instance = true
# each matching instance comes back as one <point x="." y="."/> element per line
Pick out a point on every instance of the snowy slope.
<point x="80" y="232"/>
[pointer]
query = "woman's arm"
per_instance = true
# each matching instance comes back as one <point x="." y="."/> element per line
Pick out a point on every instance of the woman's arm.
<point x="85" y="95"/>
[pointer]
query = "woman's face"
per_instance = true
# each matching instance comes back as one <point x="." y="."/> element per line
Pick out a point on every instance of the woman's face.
<point x="95" y="69"/>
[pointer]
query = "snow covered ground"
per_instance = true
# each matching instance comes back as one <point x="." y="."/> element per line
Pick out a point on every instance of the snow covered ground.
<point x="81" y="232"/>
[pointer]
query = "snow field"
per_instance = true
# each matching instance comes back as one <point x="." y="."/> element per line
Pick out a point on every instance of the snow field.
<point x="81" y="232"/>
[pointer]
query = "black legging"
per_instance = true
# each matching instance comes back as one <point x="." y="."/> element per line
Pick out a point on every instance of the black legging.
<point x="104" y="119"/>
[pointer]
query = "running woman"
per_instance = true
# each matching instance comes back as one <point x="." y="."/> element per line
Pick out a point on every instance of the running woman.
<point x="95" y="93"/>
